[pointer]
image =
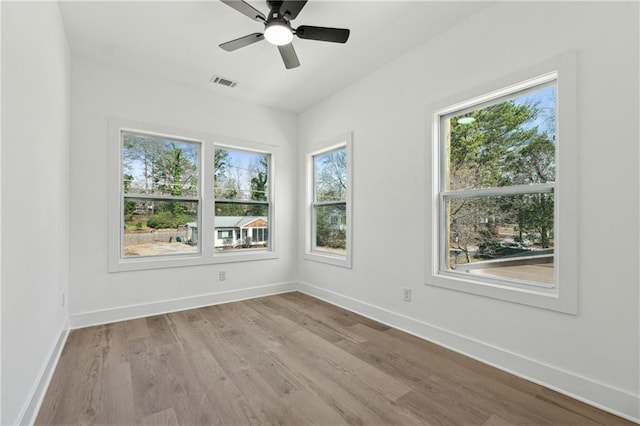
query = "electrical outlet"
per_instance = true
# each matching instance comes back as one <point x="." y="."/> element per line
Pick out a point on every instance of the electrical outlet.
<point x="63" y="299"/>
<point x="406" y="294"/>
<point x="222" y="275"/>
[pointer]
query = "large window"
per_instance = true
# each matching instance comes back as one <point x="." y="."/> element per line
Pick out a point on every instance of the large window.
<point x="498" y="165"/>
<point x="186" y="199"/>
<point x="329" y="210"/>
<point x="502" y="205"/>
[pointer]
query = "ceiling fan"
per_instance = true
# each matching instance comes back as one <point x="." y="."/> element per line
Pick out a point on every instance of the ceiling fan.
<point x="278" y="30"/>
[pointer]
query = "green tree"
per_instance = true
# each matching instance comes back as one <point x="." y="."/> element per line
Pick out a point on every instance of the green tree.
<point x="501" y="147"/>
<point x="259" y="180"/>
<point x="225" y="187"/>
<point x="159" y="166"/>
<point x="221" y="165"/>
<point x="481" y="152"/>
<point x="537" y="218"/>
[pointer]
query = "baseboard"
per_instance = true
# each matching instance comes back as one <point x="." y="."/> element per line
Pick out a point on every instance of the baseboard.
<point x="607" y="398"/>
<point x="31" y="407"/>
<point x="105" y="316"/>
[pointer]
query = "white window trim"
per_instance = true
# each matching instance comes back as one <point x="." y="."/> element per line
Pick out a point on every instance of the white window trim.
<point x="344" y="141"/>
<point x="563" y="296"/>
<point x="207" y="254"/>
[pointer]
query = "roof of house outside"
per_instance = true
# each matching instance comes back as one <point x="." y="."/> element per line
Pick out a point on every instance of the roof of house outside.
<point x="231" y="221"/>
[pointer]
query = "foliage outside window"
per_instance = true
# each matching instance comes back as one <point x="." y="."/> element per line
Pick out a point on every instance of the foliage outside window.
<point x="241" y="191"/>
<point x="164" y="214"/>
<point x="329" y="203"/>
<point x="160" y="185"/>
<point x="497" y="188"/>
<point x="503" y="188"/>
<point x="330" y="206"/>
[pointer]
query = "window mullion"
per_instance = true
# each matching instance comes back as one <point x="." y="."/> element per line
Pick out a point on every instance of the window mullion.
<point x="502" y="190"/>
<point x="328" y="203"/>
<point x="160" y="197"/>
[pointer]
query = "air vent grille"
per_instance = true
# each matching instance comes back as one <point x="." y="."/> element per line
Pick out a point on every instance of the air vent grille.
<point x="216" y="79"/>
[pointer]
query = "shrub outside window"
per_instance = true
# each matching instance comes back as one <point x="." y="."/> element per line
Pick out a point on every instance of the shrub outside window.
<point x="160" y="183"/>
<point x="164" y="214"/>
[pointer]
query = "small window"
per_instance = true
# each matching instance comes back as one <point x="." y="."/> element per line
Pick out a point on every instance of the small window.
<point x="503" y="198"/>
<point x="160" y="187"/>
<point x="225" y="234"/>
<point x="329" y="206"/>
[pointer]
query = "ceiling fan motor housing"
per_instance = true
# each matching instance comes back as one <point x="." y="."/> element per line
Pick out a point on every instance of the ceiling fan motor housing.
<point x="274" y="4"/>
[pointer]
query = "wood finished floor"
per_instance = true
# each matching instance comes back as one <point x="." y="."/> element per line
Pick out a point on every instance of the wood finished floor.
<point x="286" y="359"/>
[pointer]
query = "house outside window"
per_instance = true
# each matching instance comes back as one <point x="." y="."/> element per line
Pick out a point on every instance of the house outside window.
<point x="329" y="202"/>
<point x="503" y="178"/>
<point x="163" y="216"/>
<point x="242" y="199"/>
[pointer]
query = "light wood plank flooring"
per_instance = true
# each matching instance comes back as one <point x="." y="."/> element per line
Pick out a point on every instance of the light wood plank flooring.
<point x="286" y="359"/>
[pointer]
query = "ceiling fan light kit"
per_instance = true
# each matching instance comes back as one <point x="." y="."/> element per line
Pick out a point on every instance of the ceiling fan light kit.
<point x="278" y="30"/>
<point x="278" y="34"/>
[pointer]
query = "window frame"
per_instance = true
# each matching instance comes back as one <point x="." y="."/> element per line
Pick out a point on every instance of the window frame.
<point x="124" y="196"/>
<point x="247" y="255"/>
<point x="341" y="142"/>
<point x="206" y="230"/>
<point x="562" y="296"/>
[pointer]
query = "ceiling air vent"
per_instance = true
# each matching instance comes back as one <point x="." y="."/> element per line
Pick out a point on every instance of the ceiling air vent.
<point x="216" y="79"/>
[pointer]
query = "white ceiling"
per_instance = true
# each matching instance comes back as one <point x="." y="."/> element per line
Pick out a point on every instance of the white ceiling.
<point x="179" y="41"/>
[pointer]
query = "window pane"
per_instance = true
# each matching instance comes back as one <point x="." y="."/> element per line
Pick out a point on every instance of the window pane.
<point x="159" y="227"/>
<point x="508" y="143"/>
<point x="507" y="236"/>
<point x="330" y="174"/>
<point x="241" y="226"/>
<point x="331" y="228"/>
<point x="241" y="175"/>
<point x="155" y="165"/>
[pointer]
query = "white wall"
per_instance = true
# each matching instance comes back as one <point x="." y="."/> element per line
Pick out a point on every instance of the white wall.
<point x="594" y="355"/>
<point x="35" y="198"/>
<point x="99" y="92"/>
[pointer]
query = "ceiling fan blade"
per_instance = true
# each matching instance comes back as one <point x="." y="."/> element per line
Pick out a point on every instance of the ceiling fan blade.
<point x="289" y="56"/>
<point x="245" y="9"/>
<point x="334" y="35"/>
<point x="292" y="8"/>
<point x="236" y="44"/>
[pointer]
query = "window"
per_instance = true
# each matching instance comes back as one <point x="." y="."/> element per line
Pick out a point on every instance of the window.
<point x="501" y="199"/>
<point x="329" y="211"/>
<point x="225" y="234"/>
<point x="160" y="186"/>
<point x="165" y="212"/>
<point x="498" y="161"/>
<point x="241" y="189"/>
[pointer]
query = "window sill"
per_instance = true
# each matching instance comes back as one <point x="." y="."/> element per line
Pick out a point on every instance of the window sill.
<point x="147" y="263"/>
<point x="537" y="296"/>
<point x="331" y="259"/>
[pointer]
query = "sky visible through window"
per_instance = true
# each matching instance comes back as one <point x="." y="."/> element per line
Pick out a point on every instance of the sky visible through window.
<point x="508" y="143"/>
<point x="241" y="175"/>
<point x="545" y="100"/>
